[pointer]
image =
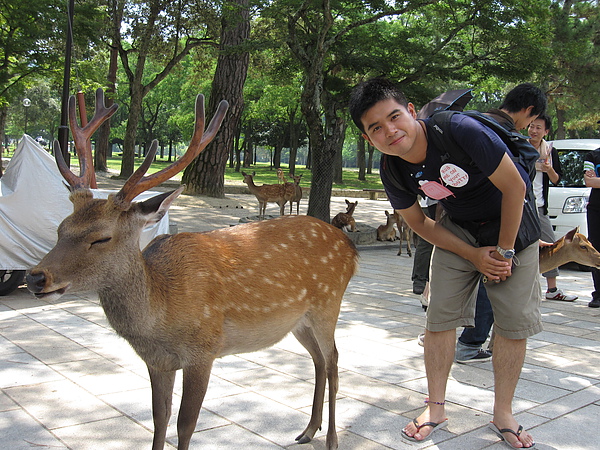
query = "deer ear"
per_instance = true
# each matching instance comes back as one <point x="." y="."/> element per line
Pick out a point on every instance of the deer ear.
<point x="571" y="234"/>
<point x="155" y="208"/>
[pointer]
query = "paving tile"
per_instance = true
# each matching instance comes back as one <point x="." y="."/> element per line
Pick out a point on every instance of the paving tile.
<point x="568" y="403"/>
<point x="77" y="406"/>
<point x="100" y="376"/>
<point x="119" y="433"/>
<point x="19" y="431"/>
<point x="21" y="369"/>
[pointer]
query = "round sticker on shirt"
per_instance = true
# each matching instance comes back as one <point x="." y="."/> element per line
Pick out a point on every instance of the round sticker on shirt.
<point x="453" y="175"/>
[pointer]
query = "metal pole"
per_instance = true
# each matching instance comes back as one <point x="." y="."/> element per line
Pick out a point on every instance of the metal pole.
<point x="63" y="130"/>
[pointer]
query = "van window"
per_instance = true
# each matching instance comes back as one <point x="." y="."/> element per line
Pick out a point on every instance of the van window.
<point x="571" y="162"/>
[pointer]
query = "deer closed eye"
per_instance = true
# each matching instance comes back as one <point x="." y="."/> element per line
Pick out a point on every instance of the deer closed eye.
<point x="101" y="241"/>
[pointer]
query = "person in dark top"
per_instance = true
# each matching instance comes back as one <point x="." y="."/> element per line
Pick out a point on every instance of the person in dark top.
<point x="491" y="188"/>
<point x="591" y="166"/>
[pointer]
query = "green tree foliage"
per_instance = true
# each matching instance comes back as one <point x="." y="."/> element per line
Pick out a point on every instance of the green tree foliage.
<point x="573" y="73"/>
<point x="160" y="30"/>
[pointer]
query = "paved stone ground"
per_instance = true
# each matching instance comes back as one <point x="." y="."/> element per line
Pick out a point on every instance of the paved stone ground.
<point x="68" y="382"/>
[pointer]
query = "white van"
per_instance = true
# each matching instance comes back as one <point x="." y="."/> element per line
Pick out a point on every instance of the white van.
<point x="567" y="201"/>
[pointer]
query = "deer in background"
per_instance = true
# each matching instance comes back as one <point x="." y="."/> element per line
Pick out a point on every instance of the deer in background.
<point x="387" y="232"/>
<point x="192" y="297"/>
<point x="406" y="235"/>
<point x="293" y="192"/>
<point x="345" y="221"/>
<point x="266" y="193"/>
<point x="280" y="176"/>
<point x="572" y="247"/>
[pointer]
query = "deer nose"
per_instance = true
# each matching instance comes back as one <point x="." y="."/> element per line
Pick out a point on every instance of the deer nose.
<point x="35" y="281"/>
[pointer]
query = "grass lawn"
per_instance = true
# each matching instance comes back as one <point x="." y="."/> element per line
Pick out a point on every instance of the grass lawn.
<point x="265" y="175"/>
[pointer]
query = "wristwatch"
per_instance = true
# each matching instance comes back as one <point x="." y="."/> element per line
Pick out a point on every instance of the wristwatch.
<point x="506" y="254"/>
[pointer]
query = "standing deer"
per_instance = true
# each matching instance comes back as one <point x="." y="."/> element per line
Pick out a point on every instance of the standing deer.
<point x="406" y="234"/>
<point x="280" y="176"/>
<point x="345" y="221"/>
<point x="387" y="232"/>
<point x="294" y="193"/>
<point x="193" y="297"/>
<point x="266" y="193"/>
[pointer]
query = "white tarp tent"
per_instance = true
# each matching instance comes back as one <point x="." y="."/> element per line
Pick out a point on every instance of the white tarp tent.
<point x="34" y="201"/>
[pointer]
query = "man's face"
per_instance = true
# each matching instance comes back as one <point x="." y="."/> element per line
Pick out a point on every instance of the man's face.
<point x="391" y="127"/>
<point x="537" y="130"/>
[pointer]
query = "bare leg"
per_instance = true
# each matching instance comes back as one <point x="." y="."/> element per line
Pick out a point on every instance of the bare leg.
<point x="439" y="355"/>
<point x="509" y="355"/>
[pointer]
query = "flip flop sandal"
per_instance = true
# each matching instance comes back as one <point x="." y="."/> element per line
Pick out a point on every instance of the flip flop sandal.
<point x="434" y="426"/>
<point x="517" y="433"/>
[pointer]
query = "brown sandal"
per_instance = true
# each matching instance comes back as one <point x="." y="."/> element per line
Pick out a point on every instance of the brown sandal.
<point x="517" y="433"/>
<point x="434" y="426"/>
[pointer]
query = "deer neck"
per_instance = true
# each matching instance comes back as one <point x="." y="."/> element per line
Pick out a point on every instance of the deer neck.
<point x="554" y="256"/>
<point x="125" y="299"/>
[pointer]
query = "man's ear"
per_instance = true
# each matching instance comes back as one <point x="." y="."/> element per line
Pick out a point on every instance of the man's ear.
<point x="411" y="109"/>
<point x="367" y="139"/>
<point x="528" y="111"/>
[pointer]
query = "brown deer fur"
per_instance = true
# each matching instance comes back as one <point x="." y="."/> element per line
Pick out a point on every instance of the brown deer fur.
<point x="293" y="192"/>
<point x="193" y="297"/>
<point x="266" y="193"/>
<point x="345" y="221"/>
<point x="572" y="247"/>
<point x="406" y="235"/>
<point x="387" y="232"/>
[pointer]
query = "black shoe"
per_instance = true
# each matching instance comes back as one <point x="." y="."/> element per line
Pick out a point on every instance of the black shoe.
<point x="595" y="303"/>
<point x="418" y="289"/>
<point x="481" y="356"/>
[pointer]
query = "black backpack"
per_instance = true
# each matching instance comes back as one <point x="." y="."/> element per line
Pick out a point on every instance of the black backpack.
<point x="523" y="153"/>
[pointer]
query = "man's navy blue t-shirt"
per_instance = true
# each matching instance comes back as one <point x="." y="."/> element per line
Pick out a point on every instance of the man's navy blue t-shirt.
<point x="464" y="190"/>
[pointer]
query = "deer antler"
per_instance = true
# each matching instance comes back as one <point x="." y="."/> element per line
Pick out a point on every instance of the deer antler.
<point x="83" y="144"/>
<point x="137" y="183"/>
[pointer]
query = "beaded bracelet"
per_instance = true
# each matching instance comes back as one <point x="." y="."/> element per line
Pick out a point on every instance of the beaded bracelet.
<point x="435" y="403"/>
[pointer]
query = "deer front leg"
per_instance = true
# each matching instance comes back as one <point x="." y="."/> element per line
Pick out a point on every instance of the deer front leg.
<point x="195" y="383"/>
<point x="307" y="339"/>
<point x="162" y="394"/>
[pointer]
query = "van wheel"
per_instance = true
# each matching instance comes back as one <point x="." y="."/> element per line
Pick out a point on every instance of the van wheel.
<point x="10" y="280"/>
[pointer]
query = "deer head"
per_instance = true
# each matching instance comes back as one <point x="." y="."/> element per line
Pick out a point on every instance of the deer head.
<point x="99" y="228"/>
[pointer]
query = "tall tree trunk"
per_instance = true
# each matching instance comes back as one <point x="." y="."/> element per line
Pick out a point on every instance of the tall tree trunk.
<point x="3" y="115"/>
<point x="561" y="132"/>
<point x="370" y="160"/>
<point x="206" y="175"/>
<point x="102" y="141"/>
<point x="294" y="138"/>
<point x="361" y="161"/>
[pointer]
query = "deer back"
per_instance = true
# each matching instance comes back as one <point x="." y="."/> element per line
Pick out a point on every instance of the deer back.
<point x="266" y="192"/>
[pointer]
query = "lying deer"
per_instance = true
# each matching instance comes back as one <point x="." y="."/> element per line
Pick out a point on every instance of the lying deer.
<point x="294" y="193"/>
<point x="193" y="297"/>
<point x="266" y="193"/>
<point x="387" y="232"/>
<point x="345" y="221"/>
<point x="572" y="247"/>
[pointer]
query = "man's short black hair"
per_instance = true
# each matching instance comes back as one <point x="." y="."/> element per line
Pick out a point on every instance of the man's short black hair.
<point x="522" y="97"/>
<point x="366" y="94"/>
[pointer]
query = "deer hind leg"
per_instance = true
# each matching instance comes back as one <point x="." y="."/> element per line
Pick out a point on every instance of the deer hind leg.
<point x="320" y="343"/>
<point x="162" y="395"/>
<point x="195" y="383"/>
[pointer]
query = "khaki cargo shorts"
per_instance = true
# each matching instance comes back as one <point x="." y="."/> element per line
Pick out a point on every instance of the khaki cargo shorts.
<point x="454" y="284"/>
